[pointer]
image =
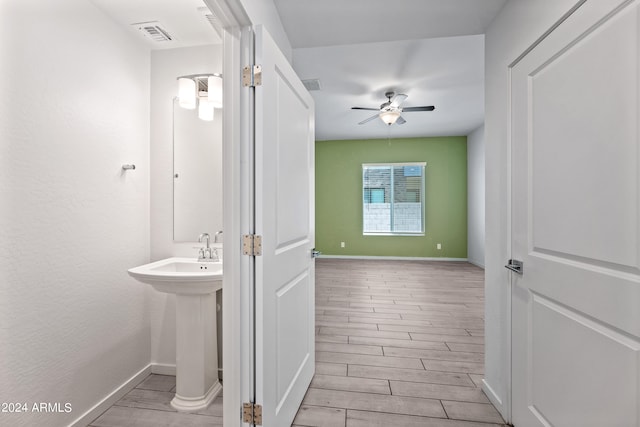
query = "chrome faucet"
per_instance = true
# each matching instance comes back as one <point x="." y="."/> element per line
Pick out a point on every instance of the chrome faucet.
<point x="215" y="238"/>
<point x="207" y="254"/>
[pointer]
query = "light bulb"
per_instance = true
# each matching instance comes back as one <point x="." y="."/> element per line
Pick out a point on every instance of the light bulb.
<point x="205" y="109"/>
<point x="187" y="93"/>
<point x="215" y="90"/>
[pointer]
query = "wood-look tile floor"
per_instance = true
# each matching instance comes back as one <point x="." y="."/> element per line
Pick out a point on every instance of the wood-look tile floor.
<point x="149" y="405"/>
<point x="398" y="344"/>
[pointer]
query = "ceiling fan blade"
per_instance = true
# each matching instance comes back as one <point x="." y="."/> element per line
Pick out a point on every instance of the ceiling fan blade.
<point x="365" y="108"/>
<point x="425" y="108"/>
<point x="369" y="119"/>
<point x="401" y="120"/>
<point x="397" y="100"/>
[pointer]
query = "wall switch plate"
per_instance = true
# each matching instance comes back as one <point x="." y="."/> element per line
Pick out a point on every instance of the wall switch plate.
<point x="438" y="246"/>
<point x="342" y="245"/>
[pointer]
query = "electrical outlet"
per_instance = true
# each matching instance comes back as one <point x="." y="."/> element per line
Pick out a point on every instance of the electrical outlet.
<point x="342" y="245"/>
<point x="438" y="246"/>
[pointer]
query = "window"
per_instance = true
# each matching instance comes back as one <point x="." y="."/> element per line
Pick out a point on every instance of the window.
<point x="393" y="198"/>
<point x="374" y="195"/>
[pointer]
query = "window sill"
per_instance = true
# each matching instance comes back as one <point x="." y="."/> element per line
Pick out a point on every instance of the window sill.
<point x="393" y="234"/>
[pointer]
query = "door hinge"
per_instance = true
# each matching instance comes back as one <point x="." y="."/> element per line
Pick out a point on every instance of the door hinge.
<point x="252" y="76"/>
<point x="252" y="413"/>
<point x="252" y="245"/>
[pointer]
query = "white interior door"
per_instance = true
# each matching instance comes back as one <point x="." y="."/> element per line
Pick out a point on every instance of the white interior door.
<point x="575" y="218"/>
<point x="284" y="217"/>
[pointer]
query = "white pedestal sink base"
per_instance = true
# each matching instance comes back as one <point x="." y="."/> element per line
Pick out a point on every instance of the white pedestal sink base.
<point x="184" y="404"/>
<point x="196" y="352"/>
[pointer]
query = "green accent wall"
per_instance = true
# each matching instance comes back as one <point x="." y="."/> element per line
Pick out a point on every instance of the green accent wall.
<point x="339" y="196"/>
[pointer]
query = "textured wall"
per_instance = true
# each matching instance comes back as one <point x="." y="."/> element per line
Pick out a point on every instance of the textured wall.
<point x="166" y="66"/>
<point x="74" y="108"/>
<point x="339" y="196"/>
<point x="475" y="197"/>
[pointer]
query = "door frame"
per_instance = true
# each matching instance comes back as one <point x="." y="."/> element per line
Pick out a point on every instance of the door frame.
<point x="236" y="141"/>
<point x="507" y="338"/>
<point x="237" y="209"/>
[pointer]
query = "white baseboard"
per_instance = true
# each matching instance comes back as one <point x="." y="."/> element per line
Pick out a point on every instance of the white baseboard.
<point x="476" y="263"/>
<point x="493" y="397"/>
<point x="112" y="398"/>
<point x="163" y="369"/>
<point x="166" y="369"/>
<point x="394" y="258"/>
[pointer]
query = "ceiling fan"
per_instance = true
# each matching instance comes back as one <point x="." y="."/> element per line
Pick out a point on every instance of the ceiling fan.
<point x="389" y="111"/>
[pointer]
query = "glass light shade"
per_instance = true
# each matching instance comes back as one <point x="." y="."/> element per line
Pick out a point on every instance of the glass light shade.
<point x="187" y="93"/>
<point x="205" y="109"/>
<point x="215" y="91"/>
<point x="389" y="117"/>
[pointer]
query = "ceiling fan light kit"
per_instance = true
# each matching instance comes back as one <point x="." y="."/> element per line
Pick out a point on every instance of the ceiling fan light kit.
<point x="389" y="117"/>
<point x="390" y="111"/>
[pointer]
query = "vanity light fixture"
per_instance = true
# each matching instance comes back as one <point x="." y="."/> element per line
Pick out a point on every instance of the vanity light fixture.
<point x="201" y="90"/>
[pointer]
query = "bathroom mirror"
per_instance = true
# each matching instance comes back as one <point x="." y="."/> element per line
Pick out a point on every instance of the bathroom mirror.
<point x="197" y="174"/>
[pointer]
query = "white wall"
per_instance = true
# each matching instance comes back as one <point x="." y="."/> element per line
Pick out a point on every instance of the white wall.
<point x="265" y="12"/>
<point x="475" y="197"/>
<point x="516" y="27"/>
<point x="166" y="66"/>
<point x="74" y="108"/>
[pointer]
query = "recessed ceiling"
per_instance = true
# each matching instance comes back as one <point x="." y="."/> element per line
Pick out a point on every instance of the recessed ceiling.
<point x="184" y="20"/>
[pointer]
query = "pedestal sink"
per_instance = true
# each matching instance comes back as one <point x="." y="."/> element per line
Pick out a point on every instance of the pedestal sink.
<point x="194" y="284"/>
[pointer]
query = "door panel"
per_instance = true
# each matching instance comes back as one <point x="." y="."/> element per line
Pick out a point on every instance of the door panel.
<point x="284" y="186"/>
<point x="595" y="364"/>
<point x="575" y="219"/>
<point x="292" y="332"/>
<point x="581" y="152"/>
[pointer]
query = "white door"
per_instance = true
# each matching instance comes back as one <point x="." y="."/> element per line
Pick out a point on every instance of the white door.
<point x="575" y="222"/>
<point x="284" y="217"/>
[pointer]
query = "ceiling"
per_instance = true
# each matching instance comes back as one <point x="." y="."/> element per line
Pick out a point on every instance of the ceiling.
<point x="182" y="19"/>
<point x="445" y="72"/>
<point x="431" y="50"/>
<point x="338" y="22"/>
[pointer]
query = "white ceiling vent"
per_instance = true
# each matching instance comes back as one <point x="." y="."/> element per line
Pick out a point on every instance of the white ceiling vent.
<point x="311" y="84"/>
<point x="153" y="31"/>
<point x="212" y="19"/>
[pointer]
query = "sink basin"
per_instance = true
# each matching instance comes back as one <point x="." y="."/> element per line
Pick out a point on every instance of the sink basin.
<point x="183" y="276"/>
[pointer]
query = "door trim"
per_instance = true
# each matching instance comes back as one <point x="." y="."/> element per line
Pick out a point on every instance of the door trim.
<point x="236" y="211"/>
<point x="546" y="33"/>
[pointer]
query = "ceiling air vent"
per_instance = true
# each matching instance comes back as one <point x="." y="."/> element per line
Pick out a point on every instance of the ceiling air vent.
<point x="153" y="31"/>
<point x="211" y="19"/>
<point x="311" y="84"/>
